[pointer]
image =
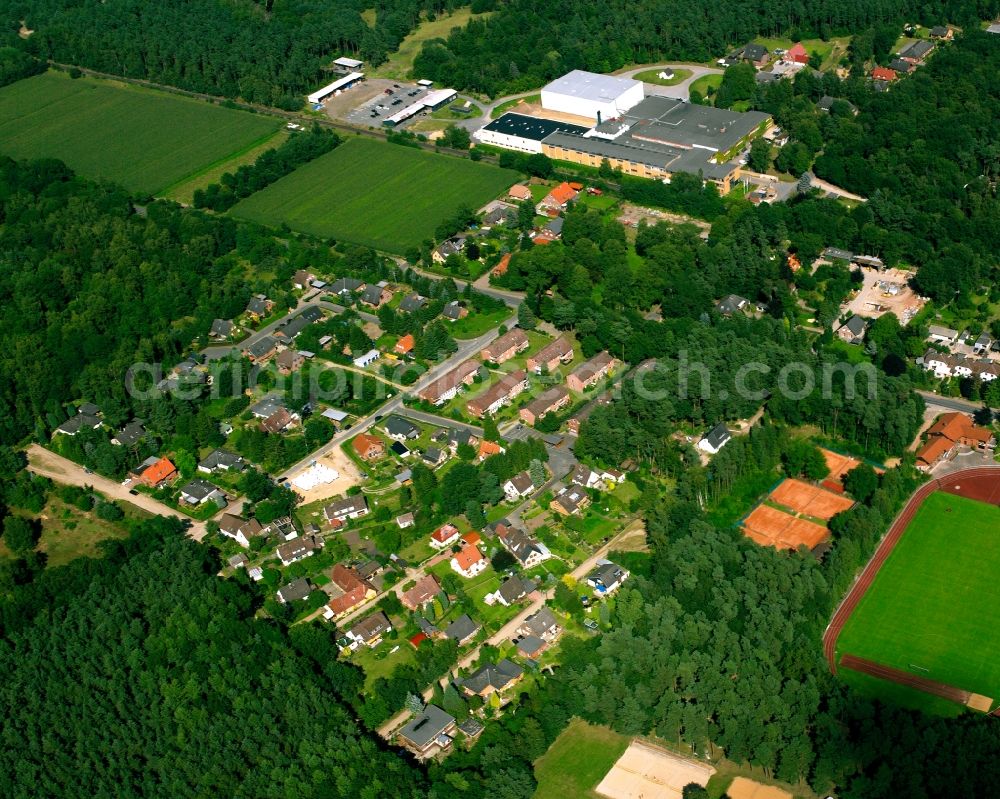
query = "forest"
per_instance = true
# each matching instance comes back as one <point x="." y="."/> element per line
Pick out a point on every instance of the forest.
<point x="258" y="50"/>
<point x="528" y="43"/>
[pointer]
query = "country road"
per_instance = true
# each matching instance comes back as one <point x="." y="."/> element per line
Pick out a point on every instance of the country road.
<point x="47" y="464"/>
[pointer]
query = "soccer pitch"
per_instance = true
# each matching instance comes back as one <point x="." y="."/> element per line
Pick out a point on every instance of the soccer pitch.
<point x="143" y="139"/>
<point x="934" y="608"/>
<point x="369" y="192"/>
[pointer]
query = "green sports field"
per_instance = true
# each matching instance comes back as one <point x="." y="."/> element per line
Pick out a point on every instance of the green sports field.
<point x="143" y="139"/>
<point x="935" y="604"/>
<point x="381" y="195"/>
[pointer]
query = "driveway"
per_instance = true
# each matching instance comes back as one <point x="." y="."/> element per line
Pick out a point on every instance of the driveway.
<point x="682" y="90"/>
<point x="47" y="464"/>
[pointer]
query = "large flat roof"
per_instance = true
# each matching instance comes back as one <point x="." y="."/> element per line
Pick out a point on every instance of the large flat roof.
<point x="330" y="88"/>
<point x="534" y="128"/>
<point x="591" y="86"/>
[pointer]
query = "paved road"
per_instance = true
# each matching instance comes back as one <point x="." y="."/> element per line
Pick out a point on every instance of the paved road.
<point x="949" y="403"/>
<point x="511" y="298"/>
<point x="682" y="90"/>
<point x="47" y="464"/>
<point x="819" y="183"/>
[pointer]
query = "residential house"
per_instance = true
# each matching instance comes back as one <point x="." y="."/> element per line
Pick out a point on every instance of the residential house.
<point x="375" y="296"/>
<point x="457" y="436"/>
<point x="542" y="624"/>
<point x="82" y="421"/>
<point x="305" y="546"/>
<point x="454" y="311"/>
<point x="755" y="54"/>
<point x="825" y="103"/>
<point x="220" y="460"/>
<point x="502" y="266"/>
<point x="527" y="551"/>
<point x="259" y="307"/>
<point x="452" y="246"/>
<point x="853" y="330"/>
<point x="129" y="435"/>
<point x="557" y="199"/>
<point x="488" y="449"/>
<point x="261" y="350"/>
<point x="519" y="486"/>
<point x="291" y="328"/>
<point x="942" y="33"/>
<point x="199" y="491"/>
<point x="588" y="373"/>
<point x="400" y="449"/>
<point x="405" y="345"/>
<point x="549" y="401"/>
<point x="221" y="329"/>
<point x="883" y="74"/>
<point x="946" y="365"/>
<point x="427" y="732"/>
<point x="423" y="591"/>
<point x="277" y="422"/>
<point x="346" y="286"/>
<point x="400" y="429"/>
<point x="295" y="591"/>
<point x="715" y="439"/>
<point x="554" y="228"/>
<point x="463" y="629"/>
<point x="981" y="346"/>
<point x="369" y="631"/>
<point x="283" y="528"/>
<point x="469" y="561"/>
<point x="444" y="537"/>
<point x="302" y="279"/>
<point x="519" y="192"/>
<point x="490" y="679"/>
<point x="607" y="577"/>
<point x="499" y="215"/>
<point x="239" y="529"/>
<point x="289" y="361"/>
<point x="433" y="457"/>
<point x="916" y="52"/>
<point x="901" y="67"/>
<point x="471" y="729"/>
<point x="570" y="500"/>
<point x="406" y="520"/>
<point x="267" y="405"/>
<point x="942" y="335"/>
<point x="498" y="394"/>
<point x="730" y="304"/>
<point x="588" y="478"/>
<point x="349" y="507"/>
<point x="349" y="592"/>
<point x="155" y="474"/>
<point x="511" y="590"/>
<point x="797" y="54"/>
<point x="550" y="356"/>
<point x="505" y="347"/>
<point x="447" y="386"/>
<point x="238" y="561"/>
<point x="412" y="302"/>
<point x="368" y="448"/>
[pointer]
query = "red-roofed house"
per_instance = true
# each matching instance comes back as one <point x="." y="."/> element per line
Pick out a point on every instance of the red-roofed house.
<point x="488" y="449"/>
<point x="557" y="199"/>
<point x="444" y="536"/>
<point x="472" y="537"/>
<point x="159" y="473"/>
<point x="423" y="591"/>
<point x="354" y="592"/>
<point x="883" y="73"/>
<point x="405" y="344"/>
<point x="798" y="54"/>
<point x="469" y="561"/>
<point x="368" y="447"/>
<point x="501" y="267"/>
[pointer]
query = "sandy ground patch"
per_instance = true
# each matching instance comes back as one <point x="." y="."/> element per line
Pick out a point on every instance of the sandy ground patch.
<point x="743" y="788"/>
<point x="809" y="499"/>
<point x="647" y="772"/>
<point x="630" y="216"/>
<point x="875" y="297"/>
<point x="344" y="466"/>
<point x="771" y="527"/>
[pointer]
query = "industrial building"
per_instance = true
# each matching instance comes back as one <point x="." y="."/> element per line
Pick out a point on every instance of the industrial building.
<point x="340" y="84"/>
<point x="428" y="102"/>
<point x="523" y="133"/>
<point x="591" y="95"/>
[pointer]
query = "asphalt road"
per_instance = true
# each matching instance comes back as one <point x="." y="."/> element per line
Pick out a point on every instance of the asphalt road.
<point x="949" y="403"/>
<point x="680" y="91"/>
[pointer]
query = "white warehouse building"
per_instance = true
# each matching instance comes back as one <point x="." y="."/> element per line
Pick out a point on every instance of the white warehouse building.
<point x="588" y="94"/>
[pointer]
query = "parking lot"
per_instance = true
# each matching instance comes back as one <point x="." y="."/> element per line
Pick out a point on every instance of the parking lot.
<point x="382" y="98"/>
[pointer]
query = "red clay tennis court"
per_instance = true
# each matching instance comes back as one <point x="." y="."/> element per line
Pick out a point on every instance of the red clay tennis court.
<point x="809" y="499"/>
<point x="771" y="527"/>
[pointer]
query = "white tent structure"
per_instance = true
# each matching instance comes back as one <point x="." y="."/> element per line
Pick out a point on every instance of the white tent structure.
<point x="316" y="475"/>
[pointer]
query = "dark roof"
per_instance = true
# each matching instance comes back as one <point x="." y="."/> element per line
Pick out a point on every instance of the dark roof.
<point x="262" y="347"/>
<point x="718" y="435"/>
<point x="423" y="729"/>
<point x="530" y="645"/>
<point x="346" y="284"/>
<point x="939" y="30"/>
<point x="856" y="325"/>
<point x="754" y="52"/>
<point x="917" y="49"/>
<point x="472" y="727"/>
<point x="497" y="676"/>
<point x="88" y="408"/>
<point x="82" y="421"/>
<point x="452" y="310"/>
<point x="514" y="588"/>
<point x="541" y="622"/>
<point x="346" y="505"/>
<point x="221" y="459"/>
<point x="606" y="574"/>
<point x="372" y="294"/>
<point x="463" y="627"/>
<point x="412" y="302"/>
<point x="731" y="303"/>
<point x="222" y="328"/>
<point x="399" y="448"/>
<point x="295" y="590"/>
<point x="258" y="305"/>
<point x="459" y="435"/>
<point x="130" y="434"/>
<point x="767" y="77"/>
<point x="533" y="128"/>
<point x="398" y="426"/>
<point x="198" y="488"/>
<point x="900" y="65"/>
<point x="299" y="323"/>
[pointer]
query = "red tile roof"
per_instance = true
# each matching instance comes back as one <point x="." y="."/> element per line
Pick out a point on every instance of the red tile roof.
<point x="405" y="344"/>
<point x="798" y="54"/>
<point x="442" y="534"/>
<point x="884" y="73"/>
<point x="562" y="194"/>
<point x="159" y="471"/>
<point x="468" y="556"/>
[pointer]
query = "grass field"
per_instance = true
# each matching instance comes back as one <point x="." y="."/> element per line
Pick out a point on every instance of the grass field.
<point x="935" y="603"/>
<point x="145" y="140"/>
<point x="577" y="761"/>
<point x="381" y="195"/>
<point x="653" y="76"/>
<point x="704" y="83"/>
<point x="400" y="63"/>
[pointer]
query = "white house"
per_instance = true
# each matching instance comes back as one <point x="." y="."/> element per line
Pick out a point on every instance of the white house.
<point x="444" y="537"/>
<point x="715" y="439"/>
<point x="607" y="577"/>
<point x="469" y="561"/>
<point x="519" y="486"/>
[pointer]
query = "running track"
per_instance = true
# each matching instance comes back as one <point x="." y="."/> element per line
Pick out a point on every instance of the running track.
<point x="981" y="483"/>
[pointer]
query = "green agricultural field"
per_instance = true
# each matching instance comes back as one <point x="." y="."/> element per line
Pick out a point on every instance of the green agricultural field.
<point x="145" y="140"/>
<point x="935" y="604"/>
<point x="577" y="761"/>
<point x="381" y="195"/>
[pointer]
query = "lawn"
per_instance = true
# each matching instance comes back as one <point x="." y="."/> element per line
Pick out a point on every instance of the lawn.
<point x="935" y="603"/>
<point x="653" y="76"/>
<point x="507" y="105"/>
<point x="704" y="83"/>
<point x="381" y="195"/>
<point x="146" y="140"/>
<point x="400" y="63"/>
<point x="577" y="761"/>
